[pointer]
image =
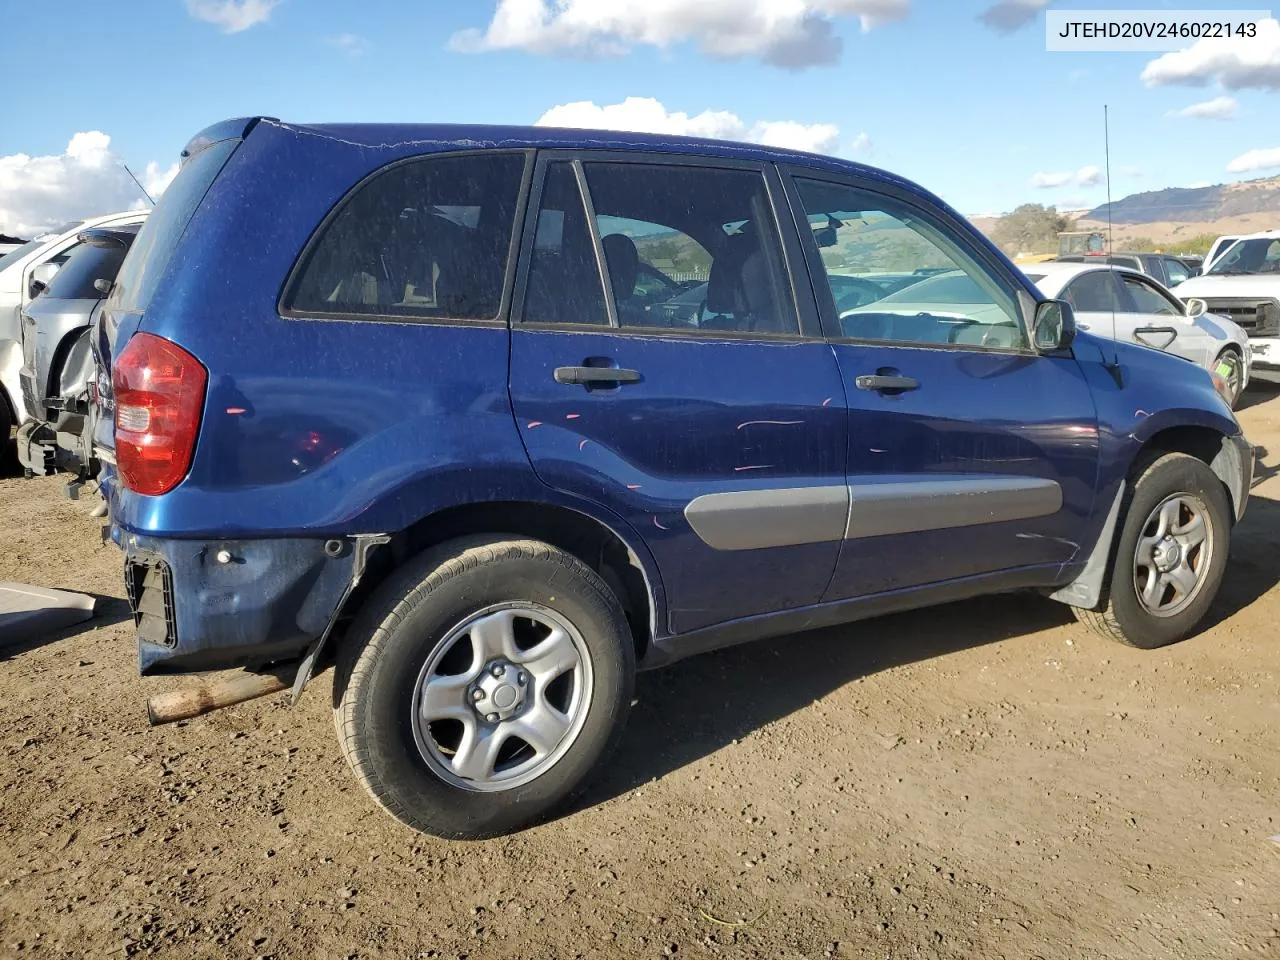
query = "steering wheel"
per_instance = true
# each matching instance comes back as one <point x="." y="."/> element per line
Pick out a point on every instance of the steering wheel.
<point x="865" y="291"/>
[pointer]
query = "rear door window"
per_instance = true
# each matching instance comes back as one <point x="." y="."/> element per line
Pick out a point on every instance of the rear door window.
<point x="427" y="239"/>
<point x="669" y="230"/>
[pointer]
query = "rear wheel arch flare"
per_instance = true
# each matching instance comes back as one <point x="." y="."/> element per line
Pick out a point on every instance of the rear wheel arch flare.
<point x="630" y="574"/>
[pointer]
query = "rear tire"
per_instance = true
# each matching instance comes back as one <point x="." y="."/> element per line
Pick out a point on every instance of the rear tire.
<point x="1169" y="557"/>
<point x="459" y="657"/>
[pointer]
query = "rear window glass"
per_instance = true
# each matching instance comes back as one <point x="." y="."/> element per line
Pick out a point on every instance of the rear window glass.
<point x="159" y="236"/>
<point x="430" y="238"/>
<point x="89" y="263"/>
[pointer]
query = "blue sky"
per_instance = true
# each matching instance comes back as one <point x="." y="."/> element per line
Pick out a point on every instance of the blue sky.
<point x="930" y="91"/>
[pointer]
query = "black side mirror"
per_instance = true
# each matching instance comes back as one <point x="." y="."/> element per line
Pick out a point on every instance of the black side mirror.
<point x="1054" y="327"/>
<point x="35" y="288"/>
<point x="825" y="237"/>
<point x="103" y="286"/>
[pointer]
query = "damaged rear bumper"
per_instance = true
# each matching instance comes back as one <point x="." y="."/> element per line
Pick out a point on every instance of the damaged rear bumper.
<point x="218" y="604"/>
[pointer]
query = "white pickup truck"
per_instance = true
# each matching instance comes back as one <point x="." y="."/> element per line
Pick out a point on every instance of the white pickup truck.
<point x="1243" y="283"/>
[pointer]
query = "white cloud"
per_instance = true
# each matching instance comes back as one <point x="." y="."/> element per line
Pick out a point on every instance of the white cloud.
<point x="1011" y="15"/>
<point x="1219" y="108"/>
<point x="1049" y="181"/>
<point x="1251" y="160"/>
<point x="38" y="193"/>
<point x="1088" y="176"/>
<point x="860" y="143"/>
<point x="352" y="43"/>
<point x="647" y="115"/>
<point x="1235" y="62"/>
<point x="156" y="180"/>
<point x="787" y="33"/>
<point x="232" y="16"/>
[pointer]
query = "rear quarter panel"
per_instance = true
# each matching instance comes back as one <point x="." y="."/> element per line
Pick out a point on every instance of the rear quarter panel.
<point x="323" y="427"/>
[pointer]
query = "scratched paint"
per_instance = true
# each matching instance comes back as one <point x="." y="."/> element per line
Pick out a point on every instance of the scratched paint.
<point x="826" y="402"/>
<point x="657" y="524"/>
<point x="776" y="423"/>
<point x="582" y="444"/>
<point x="757" y="466"/>
<point x="572" y="416"/>
<point x="534" y="423"/>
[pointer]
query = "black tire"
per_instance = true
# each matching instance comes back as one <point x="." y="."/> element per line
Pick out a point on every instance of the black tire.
<point x="1235" y="382"/>
<point x="1123" y="616"/>
<point x="401" y="627"/>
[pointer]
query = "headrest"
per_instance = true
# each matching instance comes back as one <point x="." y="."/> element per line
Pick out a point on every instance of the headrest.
<point x="623" y="260"/>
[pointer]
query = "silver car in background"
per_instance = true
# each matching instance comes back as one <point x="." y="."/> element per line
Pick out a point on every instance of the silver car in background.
<point x="57" y="375"/>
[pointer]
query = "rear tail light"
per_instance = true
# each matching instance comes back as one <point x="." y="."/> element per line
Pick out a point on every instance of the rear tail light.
<point x="159" y="392"/>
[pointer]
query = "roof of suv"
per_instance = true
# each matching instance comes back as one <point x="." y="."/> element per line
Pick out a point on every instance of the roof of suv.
<point x="430" y="137"/>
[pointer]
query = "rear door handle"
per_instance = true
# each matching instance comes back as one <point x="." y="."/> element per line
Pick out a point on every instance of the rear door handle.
<point x="587" y="376"/>
<point x="880" y="382"/>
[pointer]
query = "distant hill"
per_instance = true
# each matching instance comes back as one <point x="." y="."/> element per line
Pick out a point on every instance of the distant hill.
<point x="1194" y="204"/>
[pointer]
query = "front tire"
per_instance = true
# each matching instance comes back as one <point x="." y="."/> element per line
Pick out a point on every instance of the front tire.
<point x="482" y="684"/>
<point x="1170" y="555"/>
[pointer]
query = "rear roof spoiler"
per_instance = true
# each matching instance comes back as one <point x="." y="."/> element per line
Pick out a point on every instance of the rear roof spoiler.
<point x="236" y="129"/>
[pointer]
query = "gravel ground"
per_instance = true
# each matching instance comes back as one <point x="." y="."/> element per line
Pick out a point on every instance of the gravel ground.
<point x="986" y="779"/>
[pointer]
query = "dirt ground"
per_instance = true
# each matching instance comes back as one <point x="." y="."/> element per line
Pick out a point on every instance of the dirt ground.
<point x="981" y="780"/>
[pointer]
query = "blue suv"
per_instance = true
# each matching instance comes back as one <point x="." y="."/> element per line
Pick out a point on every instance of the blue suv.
<point x="494" y="417"/>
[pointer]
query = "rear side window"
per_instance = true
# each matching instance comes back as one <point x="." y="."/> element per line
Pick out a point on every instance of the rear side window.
<point x="429" y="238"/>
<point x="87" y="264"/>
<point x="159" y="236"/>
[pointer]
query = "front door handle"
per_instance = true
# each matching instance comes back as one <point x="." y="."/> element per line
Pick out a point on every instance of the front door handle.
<point x="1141" y="332"/>
<point x="590" y="376"/>
<point x="880" y="382"/>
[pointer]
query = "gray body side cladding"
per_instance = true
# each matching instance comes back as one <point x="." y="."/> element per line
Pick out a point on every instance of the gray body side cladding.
<point x="759" y="519"/>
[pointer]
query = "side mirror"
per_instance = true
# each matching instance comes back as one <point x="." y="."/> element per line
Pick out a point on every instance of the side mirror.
<point x="1054" y="327"/>
<point x="40" y="277"/>
<point x="1196" y="307"/>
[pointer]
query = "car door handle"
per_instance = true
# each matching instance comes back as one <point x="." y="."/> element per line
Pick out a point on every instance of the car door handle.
<point x="881" y="382"/>
<point x="1140" y="332"/>
<point x="588" y="376"/>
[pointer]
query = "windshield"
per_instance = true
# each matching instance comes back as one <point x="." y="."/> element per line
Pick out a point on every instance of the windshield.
<point x="13" y="256"/>
<point x="1260" y="255"/>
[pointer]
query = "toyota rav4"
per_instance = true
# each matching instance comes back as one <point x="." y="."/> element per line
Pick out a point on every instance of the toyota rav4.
<point x="411" y="399"/>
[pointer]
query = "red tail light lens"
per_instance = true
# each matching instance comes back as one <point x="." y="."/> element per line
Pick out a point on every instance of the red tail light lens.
<point x="159" y="391"/>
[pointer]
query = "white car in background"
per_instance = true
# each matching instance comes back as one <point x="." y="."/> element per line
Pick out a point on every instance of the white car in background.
<point x="24" y="273"/>
<point x="1123" y="304"/>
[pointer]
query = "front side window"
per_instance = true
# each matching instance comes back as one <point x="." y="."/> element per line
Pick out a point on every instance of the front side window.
<point x="685" y="248"/>
<point x="1093" y="292"/>
<point x="1176" y="270"/>
<point x="896" y="276"/>
<point x="75" y="281"/>
<point x="1147" y="299"/>
<point x="429" y="239"/>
